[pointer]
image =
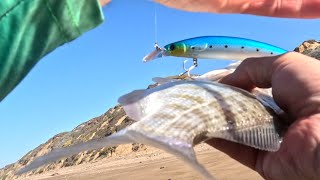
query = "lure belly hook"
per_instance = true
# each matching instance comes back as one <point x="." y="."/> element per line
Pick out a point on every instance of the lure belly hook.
<point x="188" y="70"/>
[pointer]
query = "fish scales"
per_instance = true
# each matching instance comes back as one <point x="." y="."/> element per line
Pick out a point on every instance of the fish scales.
<point x="177" y="115"/>
<point x="213" y="112"/>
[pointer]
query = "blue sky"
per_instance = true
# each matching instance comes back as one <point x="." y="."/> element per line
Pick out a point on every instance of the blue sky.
<point x="84" y="78"/>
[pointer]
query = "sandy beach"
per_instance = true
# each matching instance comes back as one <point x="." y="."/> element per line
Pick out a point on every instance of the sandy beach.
<point x="152" y="164"/>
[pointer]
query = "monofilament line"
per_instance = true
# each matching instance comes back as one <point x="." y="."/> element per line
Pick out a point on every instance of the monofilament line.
<point x="155" y="24"/>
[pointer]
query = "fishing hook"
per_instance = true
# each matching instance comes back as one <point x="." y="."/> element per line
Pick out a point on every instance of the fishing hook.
<point x="188" y="70"/>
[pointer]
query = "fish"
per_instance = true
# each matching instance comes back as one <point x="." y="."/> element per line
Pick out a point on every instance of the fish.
<point x="264" y="95"/>
<point x="216" y="47"/>
<point x="177" y="115"/>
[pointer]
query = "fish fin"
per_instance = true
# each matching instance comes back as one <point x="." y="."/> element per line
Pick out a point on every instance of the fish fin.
<point x="131" y="97"/>
<point x="189" y="157"/>
<point x="214" y="75"/>
<point x="265" y="97"/>
<point x="134" y="103"/>
<point x="131" y="105"/>
<point x="262" y="137"/>
<point x="179" y="148"/>
<point x="161" y="80"/>
<point x="234" y="65"/>
<point x="218" y="74"/>
<point x="121" y="137"/>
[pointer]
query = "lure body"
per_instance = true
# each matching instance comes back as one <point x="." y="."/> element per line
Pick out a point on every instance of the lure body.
<point x="216" y="47"/>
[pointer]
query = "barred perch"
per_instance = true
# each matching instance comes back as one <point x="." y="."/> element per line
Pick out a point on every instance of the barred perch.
<point x="179" y="114"/>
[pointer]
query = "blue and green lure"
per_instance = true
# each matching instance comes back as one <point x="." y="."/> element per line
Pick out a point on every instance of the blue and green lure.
<point x="216" y="47"/>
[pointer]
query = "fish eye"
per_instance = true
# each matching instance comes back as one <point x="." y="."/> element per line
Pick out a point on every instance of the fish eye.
<point x="172" y="47"/>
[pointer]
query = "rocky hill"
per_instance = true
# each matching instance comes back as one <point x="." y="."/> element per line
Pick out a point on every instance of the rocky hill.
<point x="110" y="122"/>
<point x="310" y="48"/>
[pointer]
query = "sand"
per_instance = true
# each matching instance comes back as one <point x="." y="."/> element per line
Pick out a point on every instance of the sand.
<point x="152" y="164"/>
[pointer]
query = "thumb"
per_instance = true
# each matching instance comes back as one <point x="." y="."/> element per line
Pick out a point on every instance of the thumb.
<point x="295" y="81"/>
<point x="252" y="72"/>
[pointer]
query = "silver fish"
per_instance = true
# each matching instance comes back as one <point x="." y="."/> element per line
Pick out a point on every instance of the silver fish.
<point x="177" y="115"/>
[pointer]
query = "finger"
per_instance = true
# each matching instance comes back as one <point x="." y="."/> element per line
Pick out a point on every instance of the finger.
<point x="265" y="72"/>
<point x="104" y="2"/>
<point x="284" y="8"/>
<point x="244" y="154"/>
<point x="194" y="5"/>
<point x="294" y="78"/>
<point x="278" y="8"/>
<point x="251" y="73"/>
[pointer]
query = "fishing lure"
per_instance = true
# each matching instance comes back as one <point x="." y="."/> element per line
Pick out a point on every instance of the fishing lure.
<point x="177" y="115"/>
<point x="215" y="47"/>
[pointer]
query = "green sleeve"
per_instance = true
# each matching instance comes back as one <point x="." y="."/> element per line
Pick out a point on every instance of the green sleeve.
<point x="30" y="29"/>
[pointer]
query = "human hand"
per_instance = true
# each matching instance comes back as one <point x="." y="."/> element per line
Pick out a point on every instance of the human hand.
<point x="295" y="82"/>
<point x="104" y="2"/>
<point x="277" y="8"/>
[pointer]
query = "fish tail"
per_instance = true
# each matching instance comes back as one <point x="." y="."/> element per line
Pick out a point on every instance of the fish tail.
<point x="189" y="157"/>
<point x="113" y="140"/>
<point x="178" y="147"/>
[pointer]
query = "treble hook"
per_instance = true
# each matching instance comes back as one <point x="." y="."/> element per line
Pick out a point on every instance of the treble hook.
<point x="195" y="64"/>
<point x="184" y="65"/>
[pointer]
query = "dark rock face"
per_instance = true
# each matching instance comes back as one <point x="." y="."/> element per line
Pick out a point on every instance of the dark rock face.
<point x="110" y="122"/>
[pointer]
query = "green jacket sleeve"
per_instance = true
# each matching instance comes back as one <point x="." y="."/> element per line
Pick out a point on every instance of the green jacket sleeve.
<point x="30" y="29"/>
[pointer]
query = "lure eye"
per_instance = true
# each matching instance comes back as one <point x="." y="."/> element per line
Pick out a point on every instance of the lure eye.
<point x="172" y="47"/>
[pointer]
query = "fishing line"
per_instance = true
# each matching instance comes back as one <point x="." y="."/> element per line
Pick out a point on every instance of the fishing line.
<point x="155" y="25"/>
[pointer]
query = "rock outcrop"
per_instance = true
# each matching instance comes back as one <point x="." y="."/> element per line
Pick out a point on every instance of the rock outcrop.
<point x="310" y="48"/>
